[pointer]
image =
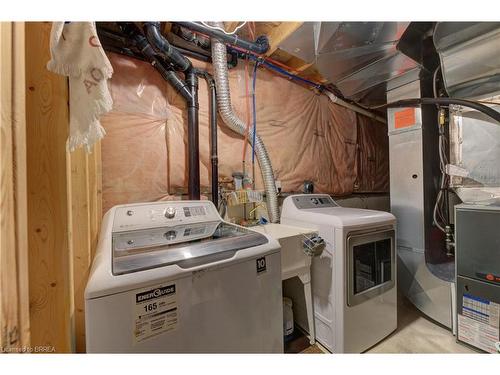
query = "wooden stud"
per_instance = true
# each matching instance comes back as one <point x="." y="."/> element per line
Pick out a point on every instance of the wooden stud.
<point x="14" y="303"/>
<point x="9" y="318"/>
<point x="95" y="194"/>
<point x="79" y="237"/>
<point x="303" y="67"/>
<point x="85" y="197"/>
<point x="47" y="119"/>
<point x="167" y="26"/>
<point x="263" y="28"/>
<point x="20" y="193"/>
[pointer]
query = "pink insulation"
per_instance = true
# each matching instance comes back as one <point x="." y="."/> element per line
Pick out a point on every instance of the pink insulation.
<point x="306" y="135"/>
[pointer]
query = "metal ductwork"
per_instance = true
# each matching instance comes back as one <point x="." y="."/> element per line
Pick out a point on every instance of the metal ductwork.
<point x="360" y="58"/>
<point x="425" y="273"/>
<point x="469" y="57"/>
<point x="474" y="155"/>
<point x="219" y="60"/>
<point x="471" y="69"/>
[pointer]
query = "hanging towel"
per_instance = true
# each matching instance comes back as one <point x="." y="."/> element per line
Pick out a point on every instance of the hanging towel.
<point x="77" y="53"/>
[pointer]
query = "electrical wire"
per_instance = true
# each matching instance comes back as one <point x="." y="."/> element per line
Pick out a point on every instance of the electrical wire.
<point x="254" y="105"/>
<point x="437" y="214"/>
<point x="443" y="161"/>
<point x="292" y="76"/>
<point x="280" y="68"/>
<point x="224" y="31"/>
<point x="434" y="89"/>
<point x="271" y="62"/>
<point x="434" y="81"/>
<point x="488" y="102"/>
<point x="440" y="214"/>
<point x="247" y="103"/>
<point x="251" y="30"/>
<point x="257" y="56"/>
<point x="490" y="112"/>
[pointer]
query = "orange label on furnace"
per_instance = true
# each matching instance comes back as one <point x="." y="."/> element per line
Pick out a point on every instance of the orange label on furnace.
<point x="404" y="118"/>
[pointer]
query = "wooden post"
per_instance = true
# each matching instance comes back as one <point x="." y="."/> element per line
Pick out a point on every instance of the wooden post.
<point x="14" y="299"/>
<point x="84" y="188"/>
<point x="50" y="271"/>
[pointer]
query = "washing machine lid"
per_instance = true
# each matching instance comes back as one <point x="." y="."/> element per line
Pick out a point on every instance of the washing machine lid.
<point x="184" y="245"/>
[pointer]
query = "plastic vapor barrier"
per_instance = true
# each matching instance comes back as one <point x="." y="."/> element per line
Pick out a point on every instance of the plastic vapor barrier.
<point x="306" y="135"/>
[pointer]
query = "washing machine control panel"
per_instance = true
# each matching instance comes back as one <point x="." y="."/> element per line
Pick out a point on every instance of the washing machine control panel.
<point x="160" y="214"/>
<point x="308" y="201"/>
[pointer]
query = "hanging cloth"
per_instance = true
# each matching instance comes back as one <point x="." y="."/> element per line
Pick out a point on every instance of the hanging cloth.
<point x="77" y="53"/>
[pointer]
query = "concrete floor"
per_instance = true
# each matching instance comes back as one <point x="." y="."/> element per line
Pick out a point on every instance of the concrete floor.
<point x="418" y="334"/>
<point x="415" y="334"/>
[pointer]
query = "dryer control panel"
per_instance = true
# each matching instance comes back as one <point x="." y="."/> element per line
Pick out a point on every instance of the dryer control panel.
<point x="308" y="201"/>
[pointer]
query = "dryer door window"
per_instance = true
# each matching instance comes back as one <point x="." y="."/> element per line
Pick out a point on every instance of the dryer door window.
<point x="370" y="265"/>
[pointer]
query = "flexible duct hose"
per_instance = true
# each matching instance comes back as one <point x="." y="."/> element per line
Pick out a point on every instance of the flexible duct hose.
<point x="219" y="61"/>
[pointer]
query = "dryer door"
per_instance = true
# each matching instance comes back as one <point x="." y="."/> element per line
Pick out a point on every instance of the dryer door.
<point x="370" y="265"/>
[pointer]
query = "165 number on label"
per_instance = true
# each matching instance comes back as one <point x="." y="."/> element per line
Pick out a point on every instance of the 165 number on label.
<point x="150" y="307"/>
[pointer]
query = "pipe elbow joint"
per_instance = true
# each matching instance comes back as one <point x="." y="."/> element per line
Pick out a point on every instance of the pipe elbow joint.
<point x="153" y="34"/>
<point x="152" y="31"/>
<point x="263" y="43"/>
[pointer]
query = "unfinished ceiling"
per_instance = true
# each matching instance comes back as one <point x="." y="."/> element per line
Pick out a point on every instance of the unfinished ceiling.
<point x="362" y="60"/>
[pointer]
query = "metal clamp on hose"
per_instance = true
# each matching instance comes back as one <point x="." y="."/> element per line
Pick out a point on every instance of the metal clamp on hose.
<point x="313" y="246"/>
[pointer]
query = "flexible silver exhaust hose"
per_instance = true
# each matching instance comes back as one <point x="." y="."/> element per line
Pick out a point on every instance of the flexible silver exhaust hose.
<point x="219" y="61"/>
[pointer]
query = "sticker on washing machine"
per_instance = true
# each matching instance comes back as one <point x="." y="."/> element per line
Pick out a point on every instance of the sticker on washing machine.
<point x="261" y="265"/>
<point x="155" y="311"/>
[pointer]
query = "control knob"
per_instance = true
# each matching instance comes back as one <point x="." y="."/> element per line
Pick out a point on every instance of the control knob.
<point x="170" y="235"/>
<point x="170" y="212"/>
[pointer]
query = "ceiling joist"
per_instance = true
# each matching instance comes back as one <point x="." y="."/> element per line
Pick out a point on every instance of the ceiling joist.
<point x="279" y="33"/>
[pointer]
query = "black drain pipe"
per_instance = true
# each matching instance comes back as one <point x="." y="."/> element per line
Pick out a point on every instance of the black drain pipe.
<point x="260" y="46"/>
<point x="180" y="62"/>
<point x="169" y="75"/>
<point x="214" y="159"/>
<point x="193" y="136"/>
<point x="188" y="89"/>
<point x="153" y="34"/>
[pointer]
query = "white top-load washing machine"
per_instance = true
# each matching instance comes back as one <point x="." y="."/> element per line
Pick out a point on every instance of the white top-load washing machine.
<point x="173" y="277"/>
<point x="354" y="280"/>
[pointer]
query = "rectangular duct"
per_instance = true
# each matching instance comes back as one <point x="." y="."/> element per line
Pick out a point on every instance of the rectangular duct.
<point x="425" y="274"/>
<point x="469" y="57"/>
<point x="474" y="155"/>
<point x="355" y="56"/>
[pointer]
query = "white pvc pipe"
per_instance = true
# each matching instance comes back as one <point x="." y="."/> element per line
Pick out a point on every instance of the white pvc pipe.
<point x="355" y="108"/>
